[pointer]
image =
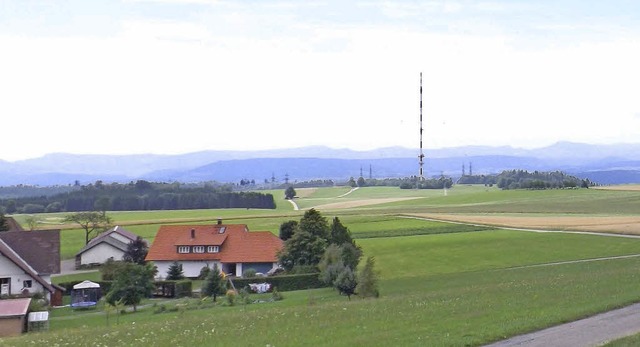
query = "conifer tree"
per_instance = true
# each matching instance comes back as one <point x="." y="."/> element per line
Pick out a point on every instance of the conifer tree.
<point x="175" y="272"/>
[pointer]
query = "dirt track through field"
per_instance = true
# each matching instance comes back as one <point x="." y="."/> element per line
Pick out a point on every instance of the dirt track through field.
<point x="629" y="225"/>
<point x="359" y="203"/>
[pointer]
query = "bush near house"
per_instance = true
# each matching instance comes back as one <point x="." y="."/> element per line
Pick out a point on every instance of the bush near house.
<point x="285" y="283"/>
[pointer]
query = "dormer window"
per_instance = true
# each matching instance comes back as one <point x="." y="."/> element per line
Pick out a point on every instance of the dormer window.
<point x="183" y="249"/>
<point x="213" y="249"/>
<point x="198" y="249"/>
<point x="221" y="231"/>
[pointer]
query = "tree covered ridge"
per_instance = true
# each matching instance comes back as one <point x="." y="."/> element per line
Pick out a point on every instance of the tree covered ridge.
<point x="522" y="179"/>
<point x="139" y="196"/>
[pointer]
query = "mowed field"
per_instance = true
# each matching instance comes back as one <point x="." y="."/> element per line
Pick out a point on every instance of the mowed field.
<point x="441" y="283"/>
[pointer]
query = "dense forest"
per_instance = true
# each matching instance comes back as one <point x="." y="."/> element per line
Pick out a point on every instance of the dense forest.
<point x="521" y="179"/>
<point x="137" y="196"/>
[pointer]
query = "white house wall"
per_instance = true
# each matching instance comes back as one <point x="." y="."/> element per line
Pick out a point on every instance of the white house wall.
<point x="189" y="268"/>
<point x="10" y="270"/>
<point x="100" y="253"/>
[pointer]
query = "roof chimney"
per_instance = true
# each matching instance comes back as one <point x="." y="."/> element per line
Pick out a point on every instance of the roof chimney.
<point x="193" y="233"/>
<point x="219" y="221"/>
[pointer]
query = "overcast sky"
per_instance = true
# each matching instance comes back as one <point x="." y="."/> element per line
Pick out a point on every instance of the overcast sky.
<point x="176" y="76"/>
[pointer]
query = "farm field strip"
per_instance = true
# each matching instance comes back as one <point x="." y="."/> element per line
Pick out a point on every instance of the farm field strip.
<point x="605" y="224"/>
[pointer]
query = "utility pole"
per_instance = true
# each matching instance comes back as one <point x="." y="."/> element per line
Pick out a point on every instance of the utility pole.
<point x="421" y="156"/>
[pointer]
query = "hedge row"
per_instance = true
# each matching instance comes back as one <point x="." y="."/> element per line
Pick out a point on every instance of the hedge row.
<point x="167" y="289"/>
<point x="284" y="283"/>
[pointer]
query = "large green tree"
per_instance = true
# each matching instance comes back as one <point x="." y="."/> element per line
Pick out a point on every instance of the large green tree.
<point x="136" y="251"/>
<point x="302" y="249"/>
<point x="91" y="222"/>
<point x="132" y="283"/>
<point x="314" y="223"/>
<point x="289" y="193"/>
<point x="339" y="233"/>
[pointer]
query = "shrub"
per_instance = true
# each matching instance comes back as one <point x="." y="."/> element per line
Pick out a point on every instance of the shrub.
<point x="286" y="282"/>
<point x="303" y="269"/>
<point x="275" y="295"/>
<point x="244" y="296"/>
<point x="204" y="272"/>
<point x="249" y="273"/>
<point x="110" y="269"/>
<point x="231" y="297"/>
<point x="183" y="288"/>
<point x="368" y="280"/>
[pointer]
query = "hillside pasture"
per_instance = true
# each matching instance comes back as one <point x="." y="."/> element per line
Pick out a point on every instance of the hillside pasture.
<point x="454" y="289"/>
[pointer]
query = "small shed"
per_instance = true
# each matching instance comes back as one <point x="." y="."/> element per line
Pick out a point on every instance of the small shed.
<point x="85" y="294"/>
<point x="13" y="316"/>
<point x="39" y="321"/>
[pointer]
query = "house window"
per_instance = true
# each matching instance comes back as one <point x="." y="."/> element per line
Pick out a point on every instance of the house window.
<point x="213" y="249"/>
<point x="183" y="249"/>
<point x="198" y="249"/>
<point x="27" y="284"/>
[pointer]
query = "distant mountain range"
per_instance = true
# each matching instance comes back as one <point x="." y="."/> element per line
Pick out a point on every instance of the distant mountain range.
<point x="606" y="164"/>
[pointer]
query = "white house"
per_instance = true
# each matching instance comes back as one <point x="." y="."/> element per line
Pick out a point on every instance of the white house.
<point x="111" y="244"/>
<point x="27" y="261"/>
<point x="232" y="247"/>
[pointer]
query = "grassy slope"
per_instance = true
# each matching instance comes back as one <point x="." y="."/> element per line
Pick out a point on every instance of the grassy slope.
<point x="437" y="290"/>
<point x="465" y="300"/>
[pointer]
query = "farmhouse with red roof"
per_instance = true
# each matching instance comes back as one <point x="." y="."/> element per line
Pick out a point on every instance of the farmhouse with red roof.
<point x="231" y="246"/>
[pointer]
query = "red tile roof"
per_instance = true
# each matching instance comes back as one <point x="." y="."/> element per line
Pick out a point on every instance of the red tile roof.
<point x="237" y="244"/>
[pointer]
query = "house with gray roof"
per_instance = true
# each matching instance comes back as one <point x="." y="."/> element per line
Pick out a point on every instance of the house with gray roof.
<point x="111" y="244"/>
<point x="27" y="261"/>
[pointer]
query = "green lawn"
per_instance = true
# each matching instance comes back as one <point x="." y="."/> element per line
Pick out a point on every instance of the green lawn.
<point x="458" y="287"/>
<point x="463" y="308"/>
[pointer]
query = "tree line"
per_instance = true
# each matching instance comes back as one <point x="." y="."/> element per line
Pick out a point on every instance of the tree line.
<point x="522" y="179"/>
<point x="139" y="196"/>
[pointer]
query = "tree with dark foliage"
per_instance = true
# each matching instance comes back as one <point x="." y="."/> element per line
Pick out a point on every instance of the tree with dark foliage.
<point x="287" y="229"/>
<point x="136" y="251"/>
<point x="175" y="273"/>
<point x="289" y="193"/>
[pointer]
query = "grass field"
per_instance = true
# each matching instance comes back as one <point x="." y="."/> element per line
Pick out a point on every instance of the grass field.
<point x="457" y="302"/>
<point x="441" y="283"/>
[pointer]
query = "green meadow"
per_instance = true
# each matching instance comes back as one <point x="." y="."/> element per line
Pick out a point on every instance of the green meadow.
<point x="440" y="283"/>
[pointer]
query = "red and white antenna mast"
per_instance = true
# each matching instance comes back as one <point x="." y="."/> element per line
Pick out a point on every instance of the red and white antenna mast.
<point x="421" y="156"/>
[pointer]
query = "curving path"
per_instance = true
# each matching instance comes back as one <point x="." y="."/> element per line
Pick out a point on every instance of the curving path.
<point x="349" y="192"/>
<point x="295" y="206"/>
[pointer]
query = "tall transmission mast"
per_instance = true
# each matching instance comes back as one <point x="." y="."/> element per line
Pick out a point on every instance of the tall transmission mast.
<point x="421" y="156"/>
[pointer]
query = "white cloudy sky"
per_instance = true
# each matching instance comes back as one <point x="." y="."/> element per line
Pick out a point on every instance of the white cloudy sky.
<point x="175" y="76"/>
